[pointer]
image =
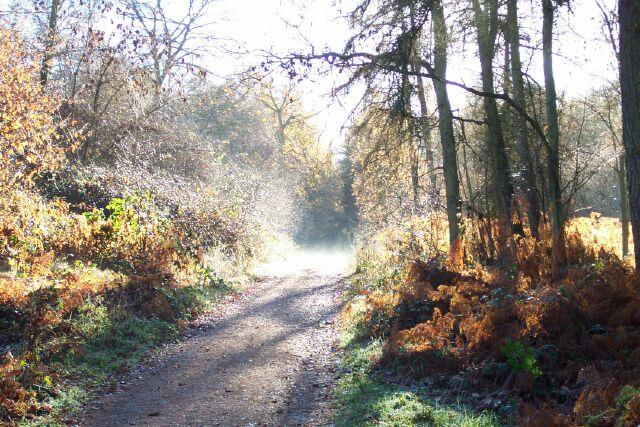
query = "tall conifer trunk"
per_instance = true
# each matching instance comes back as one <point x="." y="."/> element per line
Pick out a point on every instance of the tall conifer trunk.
<point x="558" y="249"/>
<point x="629" y="13"/>
<point x="445" y="123"/>
<point x="524" y="150"/>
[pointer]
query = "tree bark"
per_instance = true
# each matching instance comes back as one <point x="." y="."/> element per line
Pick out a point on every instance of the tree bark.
<point x="50" y="43"/>
<point x="445" y="123"/>
<point x="487" y="187"/>
<point x="470" y="195"/>
<point x="629" y="13"/>
<point x="415" y="180"/>
<point x="558" y="248"/>
<point x="524" y="150"/>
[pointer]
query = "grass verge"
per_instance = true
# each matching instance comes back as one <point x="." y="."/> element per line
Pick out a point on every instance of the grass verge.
<point x="365" y="398"/>
<point x="366" y="395"/>
<point x="103" y="341"/>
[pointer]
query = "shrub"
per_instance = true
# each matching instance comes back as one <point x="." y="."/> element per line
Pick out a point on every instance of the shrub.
<point x="520" y="358"/>
<point x="88" y="294"/>
<point x="29" y="132"/>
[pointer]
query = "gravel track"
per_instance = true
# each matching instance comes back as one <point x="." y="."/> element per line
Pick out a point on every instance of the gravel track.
<point x="266" y="358"/>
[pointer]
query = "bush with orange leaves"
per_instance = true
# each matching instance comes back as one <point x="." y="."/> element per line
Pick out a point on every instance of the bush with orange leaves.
<point x="130" y="259"/>
<point x="568" y="348"/>
<point x="30" y="134"/>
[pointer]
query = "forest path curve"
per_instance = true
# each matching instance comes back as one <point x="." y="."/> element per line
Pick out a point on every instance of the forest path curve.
<point x="266" y="359"/>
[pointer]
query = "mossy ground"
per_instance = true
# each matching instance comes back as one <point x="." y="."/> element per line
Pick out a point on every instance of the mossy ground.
<point x="365" y="398"/>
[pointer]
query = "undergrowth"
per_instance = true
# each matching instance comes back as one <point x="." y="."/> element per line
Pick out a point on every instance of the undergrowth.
<point x="96" y="268"/>
<point x="49" y="381"/>
<point x="87" y="296"/>
<point x="530" y="347"/>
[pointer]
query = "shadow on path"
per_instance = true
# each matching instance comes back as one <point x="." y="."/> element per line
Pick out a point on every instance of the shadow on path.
<point x="267" y="360"/>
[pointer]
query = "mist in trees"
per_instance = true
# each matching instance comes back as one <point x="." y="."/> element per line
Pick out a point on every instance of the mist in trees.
<point x="132" y="75"/>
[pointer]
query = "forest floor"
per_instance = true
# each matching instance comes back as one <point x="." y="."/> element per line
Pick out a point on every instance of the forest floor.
<point x="266" y="358"/>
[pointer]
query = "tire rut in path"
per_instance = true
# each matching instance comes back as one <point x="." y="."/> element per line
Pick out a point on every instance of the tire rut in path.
<point x="267" y="359"/>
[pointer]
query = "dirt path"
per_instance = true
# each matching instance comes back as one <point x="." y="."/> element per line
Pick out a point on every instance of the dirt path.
<point x="265" y="359"/>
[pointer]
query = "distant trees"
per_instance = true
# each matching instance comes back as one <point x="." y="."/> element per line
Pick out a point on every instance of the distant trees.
<point x="166" y="41"/>
<point x="381" y="156"/>
<point x="317" y="180"/>
<point x="118" y="66"/>
<point x="130" y="75"/>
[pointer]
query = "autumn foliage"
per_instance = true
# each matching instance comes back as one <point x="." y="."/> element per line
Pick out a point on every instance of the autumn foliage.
<point x="131" y="260"/>
<point x="567" y="348"/>
<point x="29" y="131"/>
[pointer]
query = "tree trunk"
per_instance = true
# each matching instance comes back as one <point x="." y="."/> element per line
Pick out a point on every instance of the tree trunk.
<point x="487" y="22"/>
<point x="412" y="132"/>
<point x="488" y="216"/>
<point x="558" y="248"/>
<point x="424" y="130"/>
<point x="629" y="13"/>
<point x="445" y="123"/>
<point x="470" y="195"/>
<point x="49" y="43"/>
<point x="281" y="132"/>
<point x="621" y="171"/>
<point x="524" y="150"/>
<point x="426" y="134"/>
<point x="415" y="179"/>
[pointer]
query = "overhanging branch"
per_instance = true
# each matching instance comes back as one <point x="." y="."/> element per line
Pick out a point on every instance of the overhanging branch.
<point x="385" y="61"/>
